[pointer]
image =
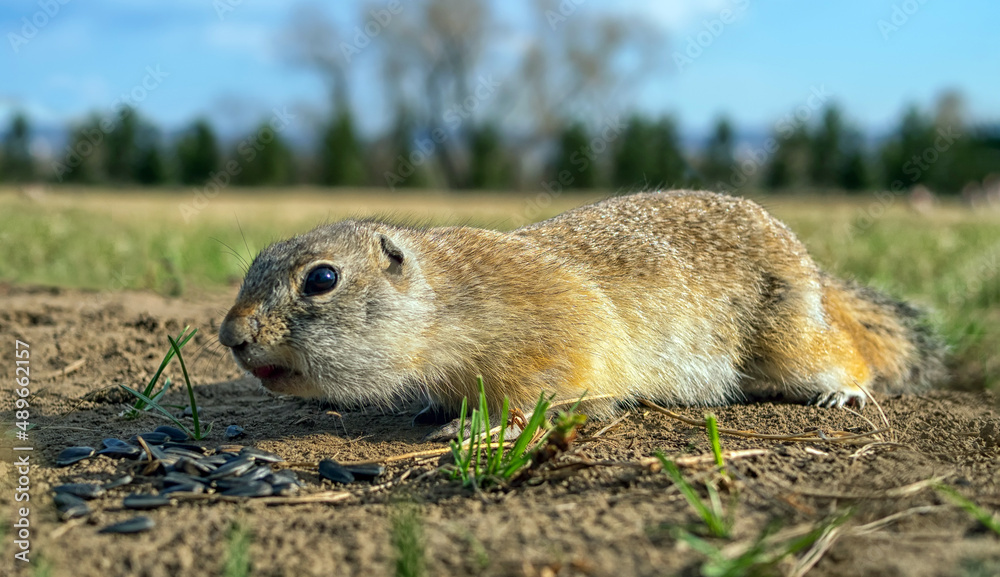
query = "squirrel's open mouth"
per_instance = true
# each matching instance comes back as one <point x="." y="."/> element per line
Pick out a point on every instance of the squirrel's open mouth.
<point x="285" y="381"/>
<point x="271" y="372"/>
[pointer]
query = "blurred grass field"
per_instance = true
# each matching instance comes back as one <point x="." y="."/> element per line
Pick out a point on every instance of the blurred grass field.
<point x="946" y="259"/>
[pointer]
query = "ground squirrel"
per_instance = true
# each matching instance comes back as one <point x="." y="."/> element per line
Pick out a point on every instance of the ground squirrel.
<point x="679" y="297"/>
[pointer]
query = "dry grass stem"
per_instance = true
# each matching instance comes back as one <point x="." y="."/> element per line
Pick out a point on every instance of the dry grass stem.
<point x="880" y="523"/>
<point x="870" y="447"/>
<point x="895" y="493"/>
<point x="63" y="371"/>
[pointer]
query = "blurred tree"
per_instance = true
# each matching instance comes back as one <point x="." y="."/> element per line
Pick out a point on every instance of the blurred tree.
<point x="83" y="158"/>
<point x="439" y="60"/>
<point x="950" y="110"/>
<point x="962" y="154"/>
<point x="778" y="173"/>
<point x="913" y="136"/>
<point x="789" y="163"/>
<point x="825" y="145"/>
<point x="150" y="166"/>
<point x="313" y="41"/>
<point x="434" y="49"/>
<point x="669" y="168"/>
<point x="341" y="161"/>
<point x="634" y="155"/>
<point x="650" y="156"/>
<point x="265" y="159"/>
<point x="975" y="158"/>
<point x="581" y="64"/>
<point x="400" y="150"/>
<point x="197" y="153"/>
<point x="853" y="172"/>
<point x="489" y="168"/>
<point x="120" y="146"/>
<point x="718" y="160"/>
<point x="575" y="157"/>
<point x="16" y="163"/>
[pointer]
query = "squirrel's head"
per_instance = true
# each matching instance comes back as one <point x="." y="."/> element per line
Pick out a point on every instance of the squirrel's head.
<point x="334" y="312"/>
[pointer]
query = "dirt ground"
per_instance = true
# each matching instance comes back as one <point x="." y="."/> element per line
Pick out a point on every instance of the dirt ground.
<point x="613" y="519"/>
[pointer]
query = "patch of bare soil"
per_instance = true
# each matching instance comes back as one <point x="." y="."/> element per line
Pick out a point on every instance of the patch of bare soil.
<point x="573" y="517"/>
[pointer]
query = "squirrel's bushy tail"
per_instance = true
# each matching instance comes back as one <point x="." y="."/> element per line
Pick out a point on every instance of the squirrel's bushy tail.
<point x="894" y="337"/>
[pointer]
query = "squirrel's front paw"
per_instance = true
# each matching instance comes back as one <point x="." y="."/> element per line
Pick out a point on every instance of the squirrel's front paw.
<point x="840" y="399"/>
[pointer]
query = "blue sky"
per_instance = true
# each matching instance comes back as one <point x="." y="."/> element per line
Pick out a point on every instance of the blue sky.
<point x="757" y="68"/>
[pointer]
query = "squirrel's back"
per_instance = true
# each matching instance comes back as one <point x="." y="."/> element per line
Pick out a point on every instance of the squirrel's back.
<point x="685" y="297"/>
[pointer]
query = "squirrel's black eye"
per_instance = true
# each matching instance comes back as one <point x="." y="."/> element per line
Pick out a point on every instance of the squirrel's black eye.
<point x="320" y="280"/>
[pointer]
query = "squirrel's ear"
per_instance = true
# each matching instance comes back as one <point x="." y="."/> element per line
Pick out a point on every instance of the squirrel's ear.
<point x="393" y="253"/>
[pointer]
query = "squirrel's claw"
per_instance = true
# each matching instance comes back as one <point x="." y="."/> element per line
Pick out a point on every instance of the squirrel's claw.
<point x="840" y="399"/>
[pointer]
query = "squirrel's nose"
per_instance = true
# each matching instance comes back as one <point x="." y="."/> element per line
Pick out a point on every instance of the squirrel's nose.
<point x="235" y="330"/>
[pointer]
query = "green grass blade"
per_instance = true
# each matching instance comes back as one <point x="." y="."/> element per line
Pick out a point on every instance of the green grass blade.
<point x="536" y="420"/>
<point x="475" y="437"/>
<point x="238" y="552"/>
<point x="500" y="459"/>
<point x="458" y="452"/>
<point x="717" y="521"/>
<point x="576" y="405"/>
<point x="712" y="517"/>
<point x="518" y="456"/>
<point x="970" y="507"/>
<point x="698" y="544"/>
<point x="407" y="541"/>
<point x="148" y="391"/>
<point x="162" y="392"/>
<point x="807" y="540"/>
<point x="484" y="411"/>
<point x="712" y="426"/>
<point x="156" y="406"/>
<point x="187" y="381"/>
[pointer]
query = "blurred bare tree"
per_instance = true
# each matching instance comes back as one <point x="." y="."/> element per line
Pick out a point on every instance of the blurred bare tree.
<point x="431" y="57"/>
<point x="584" y="65"/>
<point x="311" y="40"/>
<point x="452" y="70"/>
